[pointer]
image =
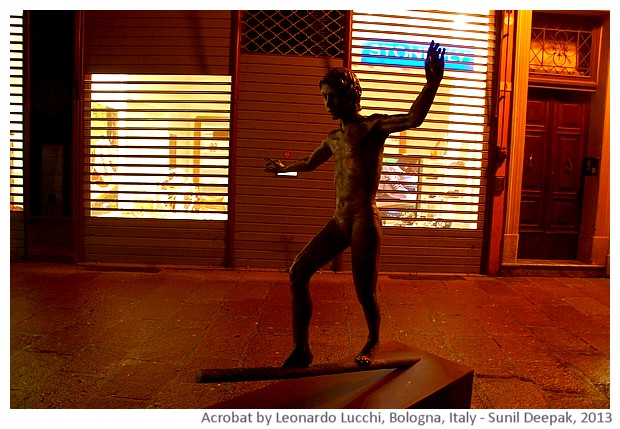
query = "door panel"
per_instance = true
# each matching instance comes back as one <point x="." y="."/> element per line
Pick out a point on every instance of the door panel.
<point x="567" y="163"/>
<point x="552" y="174"/>
<point x="532" y="194"/>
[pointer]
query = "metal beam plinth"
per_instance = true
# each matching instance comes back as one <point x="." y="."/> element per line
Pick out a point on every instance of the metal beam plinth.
<point x="433" y="382"/>
<point x="273" y="373"/>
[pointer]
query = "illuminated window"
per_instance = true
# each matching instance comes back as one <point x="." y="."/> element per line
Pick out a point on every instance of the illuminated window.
<point x="560" y="51"/>
<point x="433" y="174"/>
<point x="564" y="49"/>
<point x="16" y="113"/>
<point x="157" y="146"/>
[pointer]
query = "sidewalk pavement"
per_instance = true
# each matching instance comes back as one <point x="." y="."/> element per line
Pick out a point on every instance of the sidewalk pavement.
<point x="95" y="337"/>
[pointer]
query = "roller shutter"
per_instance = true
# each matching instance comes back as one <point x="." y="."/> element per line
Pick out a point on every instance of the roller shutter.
<point x="17" y="135"/>
<point x="281" y="115"/>
<point x="156" y="136"/>
<point x="432" y="193"/>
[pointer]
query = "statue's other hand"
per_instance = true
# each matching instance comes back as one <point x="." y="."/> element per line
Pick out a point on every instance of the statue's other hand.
<point x="273" y="165"/>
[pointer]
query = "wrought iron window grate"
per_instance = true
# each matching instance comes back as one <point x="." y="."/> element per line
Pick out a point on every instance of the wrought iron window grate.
<point x="314" y="33"/>
<point x="561" y="51"/>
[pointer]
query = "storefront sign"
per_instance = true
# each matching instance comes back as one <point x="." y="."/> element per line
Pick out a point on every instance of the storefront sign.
<point x="413" y="55"/>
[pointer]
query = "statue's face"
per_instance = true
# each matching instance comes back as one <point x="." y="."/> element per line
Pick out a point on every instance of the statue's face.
<point x="336" y="102"/>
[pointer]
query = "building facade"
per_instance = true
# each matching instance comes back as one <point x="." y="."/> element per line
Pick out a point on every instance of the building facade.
<point x="139" y="137"/>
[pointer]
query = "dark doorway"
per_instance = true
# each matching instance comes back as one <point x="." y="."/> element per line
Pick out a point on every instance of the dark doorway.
<point x="555" y="142"/>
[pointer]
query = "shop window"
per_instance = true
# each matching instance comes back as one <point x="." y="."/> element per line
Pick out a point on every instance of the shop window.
<point x="295" y="32"/>
<point x="157" y="146"/>
<point x="433" y="176"/>
<point x="16" y="140"/>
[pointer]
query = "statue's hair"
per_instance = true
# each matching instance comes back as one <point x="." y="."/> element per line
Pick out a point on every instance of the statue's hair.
<point x="345" y="80"/>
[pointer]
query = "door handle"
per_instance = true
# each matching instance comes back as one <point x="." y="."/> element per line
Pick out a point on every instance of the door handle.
<point x="531" y="162"/>
<point x="569" y="166"/>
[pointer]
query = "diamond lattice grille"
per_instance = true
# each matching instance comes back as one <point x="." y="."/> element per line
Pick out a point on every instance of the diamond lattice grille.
<point x="315" y="33"/>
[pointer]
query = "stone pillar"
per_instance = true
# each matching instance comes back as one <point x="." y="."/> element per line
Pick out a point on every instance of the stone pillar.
<point x="523" y="30"/>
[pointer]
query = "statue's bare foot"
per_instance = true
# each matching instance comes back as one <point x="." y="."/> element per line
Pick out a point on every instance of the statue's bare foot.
<point x="299" y="358"/>
<point x="365" y="357"/>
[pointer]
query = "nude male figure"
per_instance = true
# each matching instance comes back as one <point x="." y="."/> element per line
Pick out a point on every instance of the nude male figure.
<point x="357" y="148"/>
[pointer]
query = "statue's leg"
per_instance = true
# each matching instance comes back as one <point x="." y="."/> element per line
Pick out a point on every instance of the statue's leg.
<point x="328" y="243"/>
<point x="365" y="249"/>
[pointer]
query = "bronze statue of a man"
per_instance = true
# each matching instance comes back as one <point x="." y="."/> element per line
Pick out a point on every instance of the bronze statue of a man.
<point x="357" y="148"/>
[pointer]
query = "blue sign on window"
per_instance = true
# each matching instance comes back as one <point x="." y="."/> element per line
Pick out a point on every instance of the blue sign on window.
<point x="405" y="54"/>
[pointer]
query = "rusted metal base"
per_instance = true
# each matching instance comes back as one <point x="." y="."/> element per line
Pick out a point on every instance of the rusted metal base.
<point x="433" y="382"/>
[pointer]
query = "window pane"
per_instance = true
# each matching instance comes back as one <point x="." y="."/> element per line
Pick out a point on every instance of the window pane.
<point x="157" y="146"/>
<point x="432" y="175"/>
<point x="16" y="113"/>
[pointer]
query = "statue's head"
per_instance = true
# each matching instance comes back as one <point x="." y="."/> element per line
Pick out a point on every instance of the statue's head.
<point x="344" y="80"/>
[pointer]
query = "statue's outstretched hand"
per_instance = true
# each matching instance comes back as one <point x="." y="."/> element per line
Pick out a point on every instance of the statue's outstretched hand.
<point x="434" y="63"/>
<point x="273" y="165"/>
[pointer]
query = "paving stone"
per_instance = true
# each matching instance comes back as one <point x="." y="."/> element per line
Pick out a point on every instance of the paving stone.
<point x="68" y="340"/>
<point x="190" y="315"/>
<point x="177" y="395"/>
<point x="329" y="313"/>
<point x="95" y="360"/>
<point x="275" y="319"/>
<point x="197" y="361"/>
<point x="554" y="377"/>
<point x="168" y="345"/>
<point x="530" y="317"/>
<point x="29" y="368"/>
<point x="127" y="333"/>
<point x="561" y="340"/>
<point x="62" y="390"/>
<point x="411" y="318"/>
<point x="443" y="302"/>
<point x="595" y="367"/>
<point x="249" y="290"/>
<point x="267" y="350"/>
<point x="113" y="402"/>
<point x="20" y="340"/>
<point x="587" y="305"/>
<point x="497" y="320"/>
<point x="484" y="356"/>
<point x="137" y="380"/>
<point x="560" y="400"/>
<point x="511" y="393"/>
<point x="458" y="326"/>
<point x="524" y="348"/>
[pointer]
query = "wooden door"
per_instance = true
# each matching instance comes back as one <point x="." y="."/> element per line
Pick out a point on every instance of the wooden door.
<point x="556" y="133"/>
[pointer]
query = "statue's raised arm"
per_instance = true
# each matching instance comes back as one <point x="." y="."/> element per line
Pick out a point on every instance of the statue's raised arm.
<point x="434" y="67"/>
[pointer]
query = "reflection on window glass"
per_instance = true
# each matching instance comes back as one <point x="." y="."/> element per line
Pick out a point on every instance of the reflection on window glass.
<point x="432" y="175"/>
<point x="157" y="146"/>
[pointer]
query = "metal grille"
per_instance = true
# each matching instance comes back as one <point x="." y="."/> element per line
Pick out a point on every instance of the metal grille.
<point x="157" y="146"/>
<point x="560" y="51"/>
<point x="433" y="176"/>
<point x="17" y="113"/>
<point x="288" y="32"/>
